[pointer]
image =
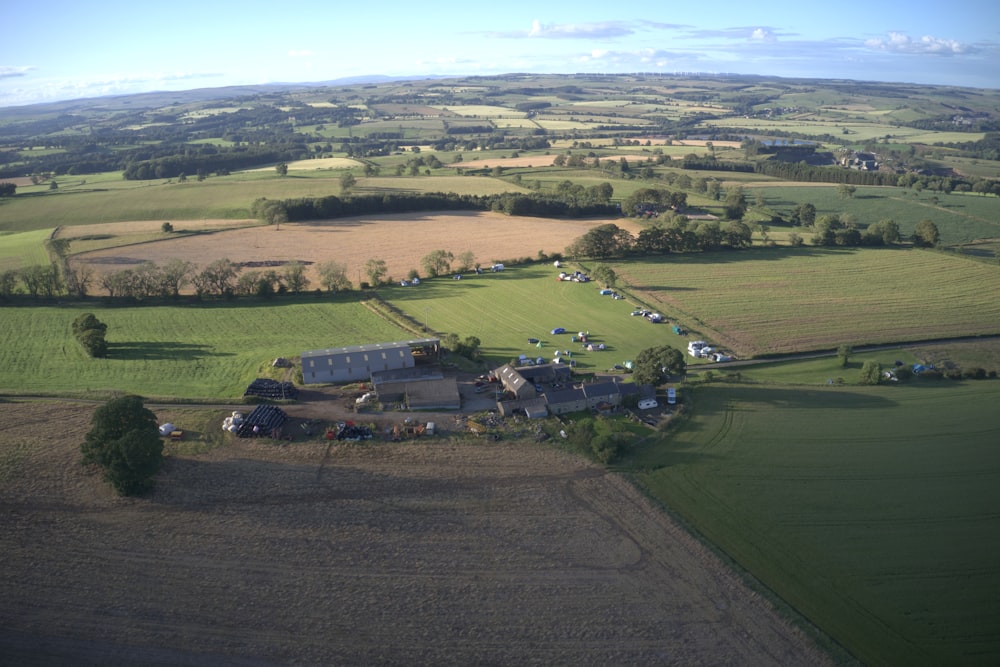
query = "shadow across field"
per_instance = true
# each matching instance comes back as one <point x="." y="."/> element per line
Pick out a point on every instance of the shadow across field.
<point x="133" y="350"/>
<point x="795" y="397"/>
<point x="430" y="289"/>
<point x="752" y="254"/>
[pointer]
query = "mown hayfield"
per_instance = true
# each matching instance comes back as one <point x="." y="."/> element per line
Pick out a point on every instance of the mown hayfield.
<point x="872" y="511"/>
<point x="959" y="217"/>
<point x="224" y="197"/>
<point x="460" y="185"/>
<point x="767" y="301"/>
<point x="482" y="111"/>
<point x="23" y="249"/>
<point x="216" y="197"/>
<point x="211" y="351"/>
<point x="857" y="130"/>
<point x="317" y="163"/>
<point x="505" y="309"/>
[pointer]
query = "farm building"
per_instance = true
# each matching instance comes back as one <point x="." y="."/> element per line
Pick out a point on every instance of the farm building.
<point x="515" y="383"/>
<point x="534" y="408"/>
<point x="546" y="373"/>
<point x="435" y="395"/>
<point x="590" y="396"/>
<point x="358" y="362"/>
<point x="418" y="388"/>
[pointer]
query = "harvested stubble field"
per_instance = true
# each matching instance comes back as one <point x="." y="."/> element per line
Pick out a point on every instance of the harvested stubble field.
<point x="441" y="552"/>
<point x="400" y="240"/>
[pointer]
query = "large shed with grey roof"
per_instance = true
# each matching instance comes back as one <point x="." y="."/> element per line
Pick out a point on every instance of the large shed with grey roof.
<point x="356" y="363"/>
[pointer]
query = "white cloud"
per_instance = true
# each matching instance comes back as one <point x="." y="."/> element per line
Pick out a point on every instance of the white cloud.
<point x="897" y="42"/>
<point x="576" y="30"/>
<point x="762" y="34"/>
<point x="8" y="72"/>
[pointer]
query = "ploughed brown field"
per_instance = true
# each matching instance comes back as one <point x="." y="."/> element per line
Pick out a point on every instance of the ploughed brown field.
<point x="439" y="551"/>
<point x="400" y="240"/>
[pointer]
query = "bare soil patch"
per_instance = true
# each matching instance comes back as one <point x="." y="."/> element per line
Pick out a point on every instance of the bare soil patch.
<point x="19" y="181"/>
<point x="149" y="227"/>
<point x="434" y="552"/>
<point x="526" y="161"/>
<point x="400" y="240"/>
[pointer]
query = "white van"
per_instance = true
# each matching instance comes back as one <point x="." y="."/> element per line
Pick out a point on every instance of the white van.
<point x="648" y="404"/>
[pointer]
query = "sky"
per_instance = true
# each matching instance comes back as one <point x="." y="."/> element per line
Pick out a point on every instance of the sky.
<point x="59" y="50"/>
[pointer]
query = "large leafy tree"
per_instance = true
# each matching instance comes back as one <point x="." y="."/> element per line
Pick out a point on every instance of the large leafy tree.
<point x="90" y="332"/>
<point x="736" y="204"/>
<point x="655" y="364"/>
<point x="605" y="275"/>
<point x="607" y="240"/>
<point x="125" y="441"/>
<point x="295" y="277"/>
<point x="926" y="234"/>
<point x="437" y="262"/>
<point x="333" y="276"/>
<point x="219" y="278"/>
<point x="375" y="269"/>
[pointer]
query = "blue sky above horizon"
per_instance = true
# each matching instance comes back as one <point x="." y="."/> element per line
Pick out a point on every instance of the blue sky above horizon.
<point x="61" y="50"/>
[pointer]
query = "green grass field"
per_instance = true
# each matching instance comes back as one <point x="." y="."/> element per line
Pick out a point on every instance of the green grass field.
<point x="766" y="301"/>
<point x="873" y="512"/>
<point x="207" y="352"/>
<point x="505" y="309"/>
<point x="857" y="130"/>
<point x="959" y="217"/>
<point x="23" y="249"/>
<point x="229" y="197"/>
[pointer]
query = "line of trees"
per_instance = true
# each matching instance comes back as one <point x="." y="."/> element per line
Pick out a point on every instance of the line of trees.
<point x="678" y="234"/>
<point x="211" y="159"/>
<point x="569" y="202"/>
<point x="675" y="235"/>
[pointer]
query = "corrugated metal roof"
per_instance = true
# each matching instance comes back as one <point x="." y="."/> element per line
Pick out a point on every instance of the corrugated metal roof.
<point x="370" y="347"/>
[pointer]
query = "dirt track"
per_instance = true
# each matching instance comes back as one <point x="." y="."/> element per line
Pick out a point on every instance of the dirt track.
<point x="437" y="552"/>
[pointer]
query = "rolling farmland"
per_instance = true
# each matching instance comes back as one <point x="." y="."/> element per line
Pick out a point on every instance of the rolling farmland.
<point x="194" y="352"/>
<point x="871" y="511"/>
<point x="763" y="301"/>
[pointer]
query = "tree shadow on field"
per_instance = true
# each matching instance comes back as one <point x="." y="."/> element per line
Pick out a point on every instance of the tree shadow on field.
<point x="793" y="398"/>
<point x="323" y="492"/>
<point x="648" y="457"/>
<point x="133" y="350"/>
<point x="676" y="262"/>
<point x="430" y="289"/>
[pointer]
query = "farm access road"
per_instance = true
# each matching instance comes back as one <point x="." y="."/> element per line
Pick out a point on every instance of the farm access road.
<point x="430" y="552"/>
<point x="832" y="353"/>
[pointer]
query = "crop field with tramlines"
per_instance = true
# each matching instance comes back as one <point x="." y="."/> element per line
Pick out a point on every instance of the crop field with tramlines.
<point x="765" y="301"/>
<point x="872" y="511"/>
